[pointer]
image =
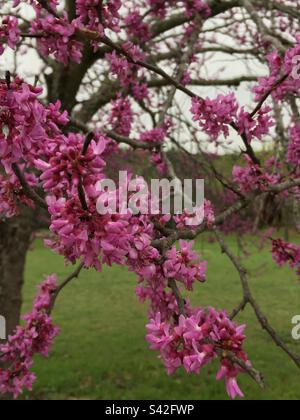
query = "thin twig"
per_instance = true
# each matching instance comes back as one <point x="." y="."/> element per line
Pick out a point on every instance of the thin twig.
<point x="180" y="300"/>
<point x="31" y="193"/>
<point x="58" y="290"/>
<point x="248" y="297"/>
<point x="81" y="194"/>
<point x="88" y="140"/>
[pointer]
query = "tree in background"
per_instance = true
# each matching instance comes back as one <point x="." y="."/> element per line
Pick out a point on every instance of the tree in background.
<point x="118" y="73"/>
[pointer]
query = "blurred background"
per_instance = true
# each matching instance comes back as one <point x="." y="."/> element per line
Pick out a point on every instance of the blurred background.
<point x="102" y="354"/>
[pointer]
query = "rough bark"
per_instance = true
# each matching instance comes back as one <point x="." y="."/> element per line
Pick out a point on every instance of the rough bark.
<point x="14" y="243"/>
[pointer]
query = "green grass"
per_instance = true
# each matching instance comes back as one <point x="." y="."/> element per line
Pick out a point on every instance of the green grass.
<point x="101" y="352"/>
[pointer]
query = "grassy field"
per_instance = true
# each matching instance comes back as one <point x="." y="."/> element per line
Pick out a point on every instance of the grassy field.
<point x="101" y="352"/>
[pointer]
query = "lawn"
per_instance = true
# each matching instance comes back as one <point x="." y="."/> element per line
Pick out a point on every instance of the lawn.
<point x="101" y="352"/>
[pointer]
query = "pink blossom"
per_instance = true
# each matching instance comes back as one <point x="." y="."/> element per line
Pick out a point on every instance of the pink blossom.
<point x="140" y="91"/>
<point x="197" y="6"/>
<point x="28" y="123"/>
<point x="127" y="71"/>
<point x="215" y="115"/>
<point x="293" y="153"/>
<point x="12" y="194"/>
<point x="121" y="116"/>
<point x="133" y="50"/>
<point x="158" y="161"/>
<point x="24" y="118"/>
<point x="155" y="136"/>
<point x="255" y="127"/>
<point x="59" y="38"/>
<point x="280" y="66"/>
<point x="194" y="342"/>
<point x="67" y="165"/>
<point x="253" y="177"/>
<point x="97" y="16"/>
<point x="35" y="337"/>
<point x="202" y="214"/>
<point x="286" y="253"/>
<point x="228" y="373"/>
<point x="120" y="67"/>
<point x="9" y="32"/>
<point x="184" y="265"/>
<point x="209" y="213"/>
<point x="159" y="7"/>
<point x="136" y="28"/>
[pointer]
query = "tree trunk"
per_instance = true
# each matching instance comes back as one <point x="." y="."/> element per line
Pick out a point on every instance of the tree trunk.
<point x="14" y="243"/>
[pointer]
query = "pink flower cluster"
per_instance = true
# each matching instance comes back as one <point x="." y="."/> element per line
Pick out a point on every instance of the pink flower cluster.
<point x="293" y="153"/>
<point x="110" y="239"/>
<point x="159" y="7"/>
<point x="12" y="194"/>
<point x="120" y="67"/>
<point x="56" y="35"/>
<point x="35" y="337"/>
<point x="209" y="213"/>
<point x="20" y="115"/>
<point x="197" y="6"/>
<point x="155" y="136"/>
<point x="266" y="83"/>
<point x="136" y="28"/>
<point x="121" y="116"/>
<point x="159" y="163"/>
<point x="78" y="233"/>
<point x="202" y="214"/>
<point x="253" y="177"/>
<point x="58" y="39"/>
<point x="255" y="127"/>
<point x="184" y="265"/>
<point x="67" y="164"/>
<point x="97" y="15"/>
<point x="161" y="300"/>
<point x="197" y="340"/>
<point x="127" y="72"/>
<point x="286" y="253"/>
<point x="9" y="33"/>
<point x="215" y="115"/>
<point x="280" y="66"/>
<point x="25" y="123"/>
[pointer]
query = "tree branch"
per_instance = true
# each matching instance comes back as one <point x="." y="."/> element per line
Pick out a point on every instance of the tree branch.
<point x="33" y="195"/>
<point x="65" y="283"/>
<point x="249" y="299"/>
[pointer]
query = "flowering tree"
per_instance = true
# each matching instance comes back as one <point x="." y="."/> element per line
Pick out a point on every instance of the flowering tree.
<point x="113" y="74"/>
